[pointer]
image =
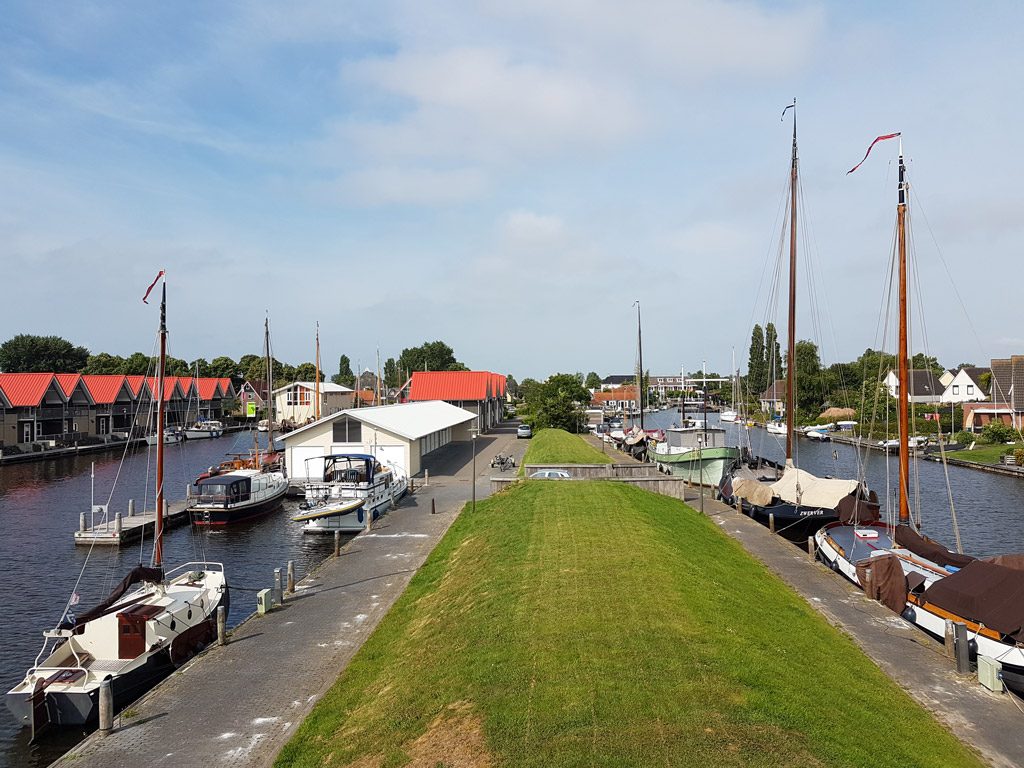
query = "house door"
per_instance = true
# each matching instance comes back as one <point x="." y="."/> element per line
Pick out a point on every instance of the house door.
<point x="102" y="425"/>
<point x="27" y="431"/>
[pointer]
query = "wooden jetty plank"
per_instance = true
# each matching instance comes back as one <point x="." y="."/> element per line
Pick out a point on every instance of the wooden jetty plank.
<point x="133" y="527"/>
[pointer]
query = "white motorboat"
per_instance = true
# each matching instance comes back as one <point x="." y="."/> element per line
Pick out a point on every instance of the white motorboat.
<point x="204" y="428"/>
<point x="171" y="436"/>
<point x="354" y="489"/>
<point x="729" y="416"/>
<point x="776" y="427"/>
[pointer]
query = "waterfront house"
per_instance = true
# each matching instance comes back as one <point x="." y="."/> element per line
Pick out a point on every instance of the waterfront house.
<point x="405" y="434"/>
<point x="773" y="399"/>
<point x="925" y="386"/>
<point x="965" y="386"/>
<point x="252" y="398"/>
<point x="621" y="398"/>
<point x="297" y="401"/>
<point x="481" y="392"/>
<point x="33" y="408"/>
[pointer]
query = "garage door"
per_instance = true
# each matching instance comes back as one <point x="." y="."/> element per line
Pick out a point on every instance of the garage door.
<point x="393" y="455"/>
<point x="300" y="469"/>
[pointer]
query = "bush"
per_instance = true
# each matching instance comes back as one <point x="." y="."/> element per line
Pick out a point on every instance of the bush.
<point x="997" y="432"/>
<point x="965" y="438"/>
<point x="1018" y="457"/>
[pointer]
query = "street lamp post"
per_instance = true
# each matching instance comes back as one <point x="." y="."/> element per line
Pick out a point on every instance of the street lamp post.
<point x="473" y="431"/>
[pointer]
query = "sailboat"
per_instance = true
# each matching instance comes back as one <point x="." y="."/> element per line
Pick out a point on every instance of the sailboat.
<point x="247" y="486"/>
<point x="910" y="573"/>
<point x="151" y="623"/>
<point x="732" y="413"/>
<point x="797" y="503"/>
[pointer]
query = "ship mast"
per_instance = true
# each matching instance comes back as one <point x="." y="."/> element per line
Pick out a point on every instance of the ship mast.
<point x="640" y="366"/>
<point x="903" y="363"/>
<point x="158" y="537"/>
<point x="791" y="347"/>
<point x="316" y="380"/>
<point x="270" y="389"/>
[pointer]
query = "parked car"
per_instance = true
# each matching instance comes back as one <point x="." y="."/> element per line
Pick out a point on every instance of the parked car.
<point x="524" y="430"/>
<point x="551" y="474"/>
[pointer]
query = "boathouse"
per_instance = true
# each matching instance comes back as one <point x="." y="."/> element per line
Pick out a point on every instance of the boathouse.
<point x="405" y="435"/>
<point x="297" y="401"/>
<point x="480" y="392"/>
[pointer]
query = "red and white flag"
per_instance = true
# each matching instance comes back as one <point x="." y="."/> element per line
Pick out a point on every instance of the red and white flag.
<point x="152" y="286"/>
<point x="74" y="599"/>
<point x="880" y="138"/>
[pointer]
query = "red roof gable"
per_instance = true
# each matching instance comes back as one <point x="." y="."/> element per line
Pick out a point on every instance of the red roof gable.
<point x="25" y="389"/>
<point x="226" y="387"/>
<point x="169" y="384"/>
<point x="135" y="383"/>
<point x="208" y="388"/>
<point x="103" y="387"/>
<point x="68" y="382"/>
<point x="451" y="385"/>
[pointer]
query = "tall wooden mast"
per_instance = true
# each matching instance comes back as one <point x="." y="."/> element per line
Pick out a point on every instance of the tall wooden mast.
<point x="903" y="362"/>
<point x="270" y="387"/>
<point x="158" y="537"/>
<point x="640" y="366"/>
<point x="791" y="347"/>
<point x="316" y="381"/>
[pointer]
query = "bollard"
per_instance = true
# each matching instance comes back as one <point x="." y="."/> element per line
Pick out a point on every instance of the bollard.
<point x="337" y="543"/>
<point x="963" y="648"/>
<point x="106" y="707"/>
<point x="291" y="577"/>
<point x="117" y="524"/>
<point x="412" y="485"/>
<point x="131" y="507"/>
<point x="81" y="523"/>
<point x="167" y="506"/>
<point x="433" y="508"/>
<point x="278" y="595"/>
<point x="950" y="640"/>
<point x="810" y="547"/>
<point x="222" y="625"/>
<point x="426" y="478"/>
<point x="771" y="522"/>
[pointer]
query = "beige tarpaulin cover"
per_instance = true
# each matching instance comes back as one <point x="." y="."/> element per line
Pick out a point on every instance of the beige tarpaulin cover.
<point x="799" y="487"/>
<point x="759" y="494"/>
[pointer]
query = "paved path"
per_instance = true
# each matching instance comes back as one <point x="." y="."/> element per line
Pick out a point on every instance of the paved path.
<point x="990" y="722"/>
<point x="238" y="705"/>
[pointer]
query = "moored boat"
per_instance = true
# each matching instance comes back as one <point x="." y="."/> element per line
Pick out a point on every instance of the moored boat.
<point x="697" y="453"/>
<point x="354" y="488"/>
<point x="205" y="428"/>
<point x="235" y="494"/>
<point x="171" y="436"/>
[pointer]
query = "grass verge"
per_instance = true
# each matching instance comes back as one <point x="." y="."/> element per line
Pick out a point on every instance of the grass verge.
<point x="986" y="454"/>
<point x="533" y="637"/>
<point x="556" y="446"/>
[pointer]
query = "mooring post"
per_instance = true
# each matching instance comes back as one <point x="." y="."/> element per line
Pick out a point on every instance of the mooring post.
<point x="950" y="640"/>
<point x="291" y="577"/>
<point x="412" y="485"/>
<point x="222" y="625"/>
<point x="771" y="522"/>
<point x="337" y="543"/>
<point x="131" y="507"/>
<point x="433" y="508"/>
<point x="81" y="523"/>
<point x="810" y="546"/>
<point x="106" y="707"/>
<point x="963" y="648"/>
<point x="167" y="506"/>
<point x="117" y="524"/>
<point x="278" y="591"/>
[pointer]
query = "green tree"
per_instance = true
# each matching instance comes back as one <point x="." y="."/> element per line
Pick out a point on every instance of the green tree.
<point x="511" y="385"/>
<point x="593" y="381"/>
<point x="223" y="368"/>
<point x="773" y="362"/>
<point x="559" y="402"/>
<point x="809" y="393"/>
<point x="923" y="362"/>
<point x="344" y="376"/>
<point x="757" y="373"/>
<point x="138" y="364"/>
<point x="175" y="366"/>
<point x="104" y="363"/>
<point x="430" y="356"/>
<point x="25" y="353"/>
<point x="392" y="374"/>
<point x="307" y="372"/>
<point x="199" y="367"/>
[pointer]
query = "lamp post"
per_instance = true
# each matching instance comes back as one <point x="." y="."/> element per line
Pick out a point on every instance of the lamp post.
<point x="473" y="431"/>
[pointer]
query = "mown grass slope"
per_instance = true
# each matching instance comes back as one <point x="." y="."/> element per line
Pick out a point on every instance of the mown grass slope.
<point x="555" y="446"/>
<point x="589" y="623"/>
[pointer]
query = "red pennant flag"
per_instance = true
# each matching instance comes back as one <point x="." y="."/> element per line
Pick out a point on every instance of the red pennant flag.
<point x="880" y="138"/>
<point x="152" y="286"/>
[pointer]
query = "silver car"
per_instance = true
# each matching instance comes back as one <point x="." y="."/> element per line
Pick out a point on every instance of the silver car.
<point x="551" y="474"/>
<point x="524" y="430"/>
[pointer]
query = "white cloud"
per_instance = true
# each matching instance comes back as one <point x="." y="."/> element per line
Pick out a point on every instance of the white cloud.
<point x="392" y="185"/>
<point x="521" y="229"/>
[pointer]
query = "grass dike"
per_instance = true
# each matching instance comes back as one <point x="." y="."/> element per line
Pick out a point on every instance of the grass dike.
<point x="591" y="623"/>
<point x="556" y="446"/>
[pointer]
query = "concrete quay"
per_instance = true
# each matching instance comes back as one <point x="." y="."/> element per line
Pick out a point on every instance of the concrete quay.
<point x="237" y="705"/>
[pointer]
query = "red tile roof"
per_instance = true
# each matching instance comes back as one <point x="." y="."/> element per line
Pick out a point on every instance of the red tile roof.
<point x="25" y="389"/>
<point x="135" y="383"/>
<point x="454" y="385"/>
<point x="208" y="388"/>
<point x="104" y="388"/>
<point x="226" y="387"/>
<point x="170" y="382"/>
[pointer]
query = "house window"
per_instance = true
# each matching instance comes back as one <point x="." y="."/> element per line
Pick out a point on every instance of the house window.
<point x="970" y="389"/>
<point x="956" y="389"/>
<point x="347" y="431"/>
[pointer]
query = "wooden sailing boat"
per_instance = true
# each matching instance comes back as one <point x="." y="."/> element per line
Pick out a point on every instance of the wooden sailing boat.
<point x="798" y="503"/>
<point x="152" y="622"/>
<point x="247" y="486"/>
<point x="911" y="574"/>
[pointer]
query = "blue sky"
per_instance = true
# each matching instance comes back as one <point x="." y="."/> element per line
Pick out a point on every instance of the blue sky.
<point x="506" y="177"/>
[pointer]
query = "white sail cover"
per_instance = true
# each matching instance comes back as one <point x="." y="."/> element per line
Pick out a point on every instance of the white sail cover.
<point x="799" y="487"/>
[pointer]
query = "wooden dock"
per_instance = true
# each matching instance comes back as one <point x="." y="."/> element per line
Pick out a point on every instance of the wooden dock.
<point x="113" y="530"/>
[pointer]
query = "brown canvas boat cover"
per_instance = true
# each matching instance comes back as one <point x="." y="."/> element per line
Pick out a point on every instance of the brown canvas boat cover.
<point x="1015" y="561"/>
<point x="757" y="493"/>
<point x="806" y="490"/>
<point x="990" y="594"/>
<point x="882" y="579"/>
<point x="852" y="509"/>
<point x="137" y="575"/>
<point x="929" y="548"/>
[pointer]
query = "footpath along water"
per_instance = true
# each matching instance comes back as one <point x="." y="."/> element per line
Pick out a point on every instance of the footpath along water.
<point x="988" y="506"/>
<point x="40" y="503"/>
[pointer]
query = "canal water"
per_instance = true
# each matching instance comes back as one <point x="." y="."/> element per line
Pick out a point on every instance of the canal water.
<point x="40" y="503"/>
<point x="988" y="506"/>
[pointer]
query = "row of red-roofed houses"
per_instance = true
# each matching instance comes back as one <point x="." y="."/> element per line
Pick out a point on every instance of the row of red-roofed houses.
<point x="481" y="392"/>
<point x="70" y="408"/>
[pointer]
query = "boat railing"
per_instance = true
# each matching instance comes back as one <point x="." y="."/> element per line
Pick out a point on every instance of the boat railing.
<point x="196" y="565"/>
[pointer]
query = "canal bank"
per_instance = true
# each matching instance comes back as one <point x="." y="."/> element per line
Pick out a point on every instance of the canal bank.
<point x="238" y="704"/>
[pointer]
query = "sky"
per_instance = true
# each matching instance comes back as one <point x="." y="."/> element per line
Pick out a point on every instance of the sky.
<point x="506" y="177"/>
